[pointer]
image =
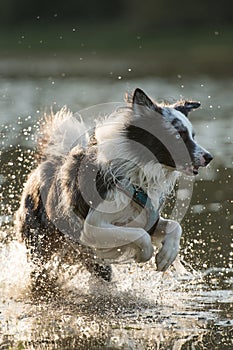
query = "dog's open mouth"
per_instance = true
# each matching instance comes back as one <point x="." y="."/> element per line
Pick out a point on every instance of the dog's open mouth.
<point x="195" y="170"/>
<point x="191" y="170"/>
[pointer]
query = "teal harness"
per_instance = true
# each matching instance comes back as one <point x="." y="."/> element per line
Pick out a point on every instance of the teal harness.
<point x="141" y="198"/>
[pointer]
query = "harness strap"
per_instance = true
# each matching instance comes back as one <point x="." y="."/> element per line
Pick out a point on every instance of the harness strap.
<point x="141" y="198"/>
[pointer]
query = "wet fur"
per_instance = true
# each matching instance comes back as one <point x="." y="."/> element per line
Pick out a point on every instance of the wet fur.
<point x="53" y="210"/>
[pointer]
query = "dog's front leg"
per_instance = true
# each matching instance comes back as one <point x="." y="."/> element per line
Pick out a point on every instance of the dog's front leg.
<point x="100" y="234"/>
<point x="167" y="238"/>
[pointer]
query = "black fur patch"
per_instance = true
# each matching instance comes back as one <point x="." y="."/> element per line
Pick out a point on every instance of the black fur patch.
<point x="151" y="143"/>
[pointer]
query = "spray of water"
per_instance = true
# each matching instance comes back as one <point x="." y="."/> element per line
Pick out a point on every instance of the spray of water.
<point x="139" y="303"/>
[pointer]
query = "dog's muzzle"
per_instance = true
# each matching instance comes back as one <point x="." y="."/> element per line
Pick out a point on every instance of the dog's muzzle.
<point x="202" y="161"/>
<point x="205" y="159"/>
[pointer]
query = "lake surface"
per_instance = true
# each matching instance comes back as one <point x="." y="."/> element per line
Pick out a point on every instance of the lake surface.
<point x="141" y="308"/>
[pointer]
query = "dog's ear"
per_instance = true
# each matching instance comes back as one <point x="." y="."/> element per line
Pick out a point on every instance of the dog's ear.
<point x="187" y="106"/>
<point x="141" y="99"/>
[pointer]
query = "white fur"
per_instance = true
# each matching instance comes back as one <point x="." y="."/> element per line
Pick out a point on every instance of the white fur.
<point x="172" y="113"/>
<point x="199" y="151"/>
<point x="64" y="131"/>
<point x="115" y="227"/>
<point x="111" y="142"/>
<point x="155" y="179"/>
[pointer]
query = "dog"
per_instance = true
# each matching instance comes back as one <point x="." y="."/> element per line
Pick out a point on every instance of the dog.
<point x="96" y="195"/>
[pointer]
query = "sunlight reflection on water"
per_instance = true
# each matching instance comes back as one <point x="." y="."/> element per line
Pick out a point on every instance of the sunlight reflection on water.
<point x="142" y="309"/>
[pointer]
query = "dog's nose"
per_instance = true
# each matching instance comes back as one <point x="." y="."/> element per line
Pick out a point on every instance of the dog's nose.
<point x="208" y="157"/>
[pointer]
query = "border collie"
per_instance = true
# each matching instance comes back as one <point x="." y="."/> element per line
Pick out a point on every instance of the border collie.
<point x="96" y="195"/>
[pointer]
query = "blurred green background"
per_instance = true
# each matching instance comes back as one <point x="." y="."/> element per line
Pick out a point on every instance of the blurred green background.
<point x="157" y="36"/>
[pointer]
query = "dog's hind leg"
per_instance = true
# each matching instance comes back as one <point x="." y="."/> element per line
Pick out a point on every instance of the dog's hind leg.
<point x="100" y="270"/>
<point x="41" y="240"/>
<point x="44" y="275"/>
<point x="88" y="260"/>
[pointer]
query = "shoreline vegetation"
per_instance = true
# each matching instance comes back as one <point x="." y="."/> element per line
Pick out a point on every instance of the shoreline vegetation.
<point x="115" y="50"/>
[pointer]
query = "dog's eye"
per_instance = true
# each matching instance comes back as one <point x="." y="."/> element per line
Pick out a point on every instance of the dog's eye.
<point x="178" y="136"/>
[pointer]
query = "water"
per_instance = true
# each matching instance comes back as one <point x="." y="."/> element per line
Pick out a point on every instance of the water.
<point x="141" y="309"/>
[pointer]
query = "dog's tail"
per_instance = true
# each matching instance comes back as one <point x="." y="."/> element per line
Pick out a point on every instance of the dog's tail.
<point x="59" y="133"/>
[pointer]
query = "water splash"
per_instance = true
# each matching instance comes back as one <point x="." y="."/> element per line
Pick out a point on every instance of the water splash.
<point x="140" y="308"/>
<point x="15" y="270"/>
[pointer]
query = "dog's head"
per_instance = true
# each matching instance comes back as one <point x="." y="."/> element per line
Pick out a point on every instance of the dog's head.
<point x="166" y="132"/>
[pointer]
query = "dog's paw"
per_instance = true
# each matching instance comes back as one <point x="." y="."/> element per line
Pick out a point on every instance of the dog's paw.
<point x="168" y="252"/>
<point x="144" y="249"/>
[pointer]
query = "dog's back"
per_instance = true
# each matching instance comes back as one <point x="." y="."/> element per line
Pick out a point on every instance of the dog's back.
<point x="41" y="195"/>
<point x="52" y="208"/>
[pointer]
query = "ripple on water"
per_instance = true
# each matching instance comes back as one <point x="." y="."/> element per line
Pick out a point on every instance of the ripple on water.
<point x="140" y="309"/>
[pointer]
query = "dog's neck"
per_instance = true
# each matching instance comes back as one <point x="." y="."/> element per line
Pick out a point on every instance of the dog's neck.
<point x="114" y="154"/>
<point x="155" y="179"/>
